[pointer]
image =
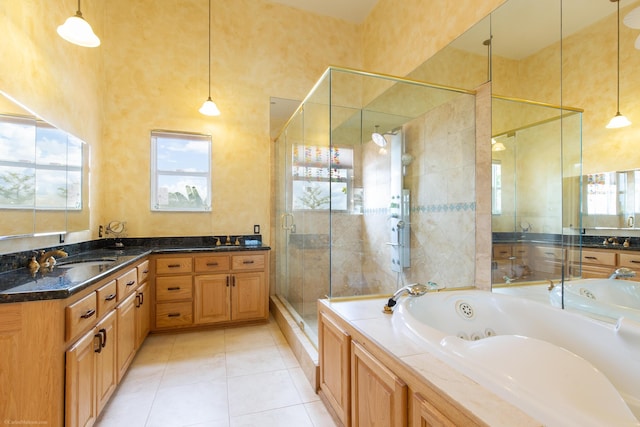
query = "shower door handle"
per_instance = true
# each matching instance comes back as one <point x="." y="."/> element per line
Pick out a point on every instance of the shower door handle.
<point x="288" y="222"/>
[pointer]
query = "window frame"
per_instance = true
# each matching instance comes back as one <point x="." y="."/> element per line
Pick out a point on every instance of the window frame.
<point x="156" y="174"/>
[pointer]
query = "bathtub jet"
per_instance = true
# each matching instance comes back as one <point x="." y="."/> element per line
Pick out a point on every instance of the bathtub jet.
<point x="413" y="290"/>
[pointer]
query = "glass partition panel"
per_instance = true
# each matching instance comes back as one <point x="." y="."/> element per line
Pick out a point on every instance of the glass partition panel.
<point x="373" y="173"/>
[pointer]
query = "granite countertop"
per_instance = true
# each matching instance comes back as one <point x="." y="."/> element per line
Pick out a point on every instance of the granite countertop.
<point x="76" y="272"/>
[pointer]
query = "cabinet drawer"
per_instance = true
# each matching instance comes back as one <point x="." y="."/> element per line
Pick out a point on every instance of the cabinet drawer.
<point x="173" y="265"/>
<point x="501" y="251"/>
<point x="81" y="315"/>
<point x="247" y="262"/>
<point x="629" y="260"/>
<point x="520" y="251"/>
<point x="174" y="314"/>
<point x="106" y="298"/>
<point x="213" y="263"/>
<point x="599" y="257"/>
<point x="143" y="271"/>
<point x="173" y="288"/>
<point x="127" y="283"/>
<point x="549" y="253"/>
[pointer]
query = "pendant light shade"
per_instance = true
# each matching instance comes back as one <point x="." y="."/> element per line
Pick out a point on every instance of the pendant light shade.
<point x="209" y="108"/>
<point x="78" y="31"/>
<point x="618" y="121"/>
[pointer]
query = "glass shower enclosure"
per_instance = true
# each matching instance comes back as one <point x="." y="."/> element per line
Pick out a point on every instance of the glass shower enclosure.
<point x="372" y="172"/>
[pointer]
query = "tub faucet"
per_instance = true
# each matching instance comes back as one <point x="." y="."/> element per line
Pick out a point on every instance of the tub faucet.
<point x="622" y="273"/>
<point x="414" y="290"/>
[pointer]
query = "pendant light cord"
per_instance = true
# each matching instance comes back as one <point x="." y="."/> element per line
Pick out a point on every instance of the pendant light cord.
<point x="210" y="49"/>
<point x="618" y="94"/>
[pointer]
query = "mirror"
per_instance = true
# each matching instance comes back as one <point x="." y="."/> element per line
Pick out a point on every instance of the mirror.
<point x="611" y="200"/>
<point x="43" y="176"/>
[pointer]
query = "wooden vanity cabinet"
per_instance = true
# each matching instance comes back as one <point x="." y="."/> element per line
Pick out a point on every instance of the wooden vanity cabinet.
<point x="591" y="263"/>
<point x="364" y="385"/>
<point x="173" y="291"/>
<point x="105" y="320"/>
<point x="378" y="396"/>
<point x="91" y="373"/>
<point x="211" y="288"/>
<point x="334" y="345"/>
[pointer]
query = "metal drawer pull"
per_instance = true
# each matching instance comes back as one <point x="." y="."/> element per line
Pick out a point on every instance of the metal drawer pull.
<point x="212" y="264"/>
<point x="174" y="265"/>
<point x="173" y="315"/>
<point x="635" y="261"/>
<point x="133" y="282"/>
<point x="174" y="288"/>
<point x="88" y="314"/>
<point x="103" y="333"/>
<point x="146" y="271"/>
<point x="110" y="297"/>
<point x="591" y="257"/>
<point x="250" y="261"/>
<point x="98" y="348"/>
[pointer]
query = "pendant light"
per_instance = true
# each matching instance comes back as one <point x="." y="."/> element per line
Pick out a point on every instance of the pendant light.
<point x="618" y="121"/>
<point x="209" y="108"/>
<point x="78" y="31"/>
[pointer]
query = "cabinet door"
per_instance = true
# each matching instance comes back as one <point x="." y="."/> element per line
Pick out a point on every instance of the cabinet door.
<point x="334" y="348"/>
<point x="426" y="414"/>
<point x="212" y="300"/>
<point x="106" y="360"/>
<point x="378" y="396"/>
<point x="80" y="386"/>
<point x="126" y="334"/>
<point x="143" y="314"/>
<point x="249" y="296"/>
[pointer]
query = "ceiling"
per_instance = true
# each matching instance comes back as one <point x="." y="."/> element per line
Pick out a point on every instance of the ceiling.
<point x="349" y="10"/>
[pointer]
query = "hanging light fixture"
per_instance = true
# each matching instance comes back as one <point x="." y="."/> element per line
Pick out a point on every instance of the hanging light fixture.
<point x="209" y="108"/>
<point x="497" y="146"/>
<point x="618" y="121"/>
<point x="78" y="31"/>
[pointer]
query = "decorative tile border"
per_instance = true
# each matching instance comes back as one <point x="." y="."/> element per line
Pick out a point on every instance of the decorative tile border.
<point x="435" y="208"/>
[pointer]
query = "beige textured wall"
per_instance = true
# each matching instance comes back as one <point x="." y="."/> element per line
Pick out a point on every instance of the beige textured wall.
<point x="58" y="81"/>
<point x="156" y="66"/>
<point x="151" y="72"/>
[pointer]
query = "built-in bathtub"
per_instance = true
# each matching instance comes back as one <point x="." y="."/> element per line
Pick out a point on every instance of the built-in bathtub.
<point x="562" y="368"/>
<point x="605" y="298"/>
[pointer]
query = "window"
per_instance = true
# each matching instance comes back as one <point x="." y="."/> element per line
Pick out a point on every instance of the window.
<point x="321" y="177"/>
<point x="496" y="188"/>
<point x="180" y="171"/>
<point x="602" y="194"/>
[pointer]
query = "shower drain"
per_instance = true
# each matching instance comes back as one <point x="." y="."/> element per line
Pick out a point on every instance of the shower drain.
<point x="465" y="310"/>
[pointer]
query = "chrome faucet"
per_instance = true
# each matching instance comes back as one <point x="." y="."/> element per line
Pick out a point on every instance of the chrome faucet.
<point x="622" y="273"/>
<point x="413" y="290"/>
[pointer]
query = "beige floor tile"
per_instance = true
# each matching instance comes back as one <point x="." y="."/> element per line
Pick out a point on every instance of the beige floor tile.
<point x="253" y="361"/>
<point x="185" y="405"/>
<point x="190" y="370"/>
<point x="141" y="378"/>
<point x="302" y="385"/>
<point x="319" y="414"/>
<point x="247" y="338"/>
<point x="129" y="410"/>
<point x="291" y="416"/>
<point x="261" y="392"/>
<point x="199" y="379"/>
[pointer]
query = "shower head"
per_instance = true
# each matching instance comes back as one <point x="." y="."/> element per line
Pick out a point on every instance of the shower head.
<point x="379" y="139"/>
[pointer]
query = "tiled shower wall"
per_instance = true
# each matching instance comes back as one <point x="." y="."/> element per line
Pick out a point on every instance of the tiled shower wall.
<point x="441" y="180"/>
